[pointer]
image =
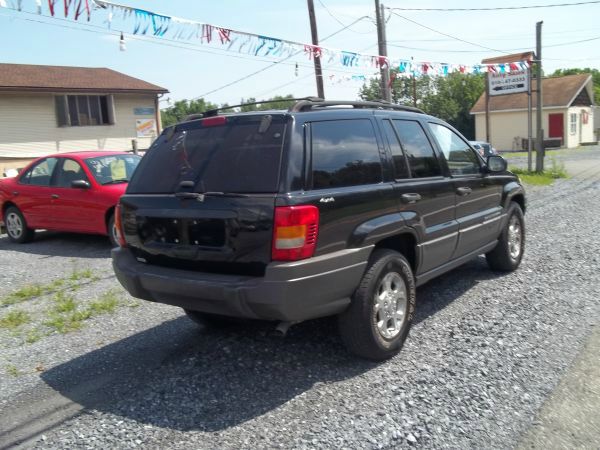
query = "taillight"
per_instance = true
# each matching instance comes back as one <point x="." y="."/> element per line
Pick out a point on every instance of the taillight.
<point x="295" y="232"/>
<point x="119" y="227"/>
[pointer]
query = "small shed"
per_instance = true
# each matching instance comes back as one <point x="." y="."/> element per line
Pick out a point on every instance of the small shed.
<point x="568" y="114"/>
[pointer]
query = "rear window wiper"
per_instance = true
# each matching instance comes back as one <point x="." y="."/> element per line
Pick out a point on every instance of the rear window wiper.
<point x="201" y="195"/>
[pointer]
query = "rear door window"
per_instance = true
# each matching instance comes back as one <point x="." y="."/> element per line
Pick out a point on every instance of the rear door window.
<point x="218" y="154"/>
<point x="344" y="153"/>
<point x="421" y="157"/>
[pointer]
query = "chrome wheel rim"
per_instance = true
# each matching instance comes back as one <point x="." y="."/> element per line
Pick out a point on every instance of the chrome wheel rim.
<point x="514" y="237"/>
<point x="390" y="305"/>
<point x="14" y="225"/>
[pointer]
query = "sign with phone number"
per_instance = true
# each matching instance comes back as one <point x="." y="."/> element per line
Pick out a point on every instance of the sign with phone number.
<point x="508" y="83"/>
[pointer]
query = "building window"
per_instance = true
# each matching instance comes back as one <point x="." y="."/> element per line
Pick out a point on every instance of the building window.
<point x="572" y="123"/>
<point x="84" y="110"/>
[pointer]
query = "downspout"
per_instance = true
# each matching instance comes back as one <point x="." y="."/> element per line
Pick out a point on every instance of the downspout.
<point x="157" y="113"/>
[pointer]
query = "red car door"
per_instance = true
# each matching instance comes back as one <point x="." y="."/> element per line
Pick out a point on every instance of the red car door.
<point x="75" y="207"/>
<point x="32" y="193"/>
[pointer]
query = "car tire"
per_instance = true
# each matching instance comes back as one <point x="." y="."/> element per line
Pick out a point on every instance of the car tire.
<point x="507" y="255"/>
<point x="212" y="321"/>
<point x="112" y="231"/>
<point x="16" y="226"/>
<point x="376" y="323"/>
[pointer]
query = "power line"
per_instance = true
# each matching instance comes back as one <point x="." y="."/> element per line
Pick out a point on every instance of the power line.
<point x="338" y="20"/>
<point x="447" y="35"/>
<point x="499" y="8"/>
<point x="277" y="62"/>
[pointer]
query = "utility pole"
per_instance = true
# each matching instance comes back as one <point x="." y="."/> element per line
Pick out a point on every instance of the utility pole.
<point x="539" y="147"/>
<point x="385" y="71"/>
<point x="315" y="41"/>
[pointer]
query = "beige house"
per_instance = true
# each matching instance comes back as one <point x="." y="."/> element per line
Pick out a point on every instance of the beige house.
<point x="49" y="109"/>
<point x="568" y="114"/>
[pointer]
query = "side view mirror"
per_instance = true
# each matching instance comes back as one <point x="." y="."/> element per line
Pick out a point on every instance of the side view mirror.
<point x="496" y="163"/>
<point x="80" y="184"/>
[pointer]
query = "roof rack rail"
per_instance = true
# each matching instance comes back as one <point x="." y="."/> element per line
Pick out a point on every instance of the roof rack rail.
<point x="316" y="103"/>
<point x="215" y="111"/>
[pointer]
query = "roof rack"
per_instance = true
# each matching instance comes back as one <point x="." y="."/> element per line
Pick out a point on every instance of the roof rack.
<point x="215" y="111"/>
<point x="317" y="103"/>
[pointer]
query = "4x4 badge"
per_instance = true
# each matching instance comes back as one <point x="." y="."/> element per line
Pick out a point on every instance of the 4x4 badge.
<point x="327" y="200"/>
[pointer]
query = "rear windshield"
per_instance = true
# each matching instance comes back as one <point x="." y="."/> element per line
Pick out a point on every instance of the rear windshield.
<point x="221" y="154"/>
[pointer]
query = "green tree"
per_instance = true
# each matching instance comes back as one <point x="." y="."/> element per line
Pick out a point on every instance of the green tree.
<point x="183" y="108"/>
<point x="277" y="102"/>
<point x="595" y="73"/>
<point x="449" y="98"/>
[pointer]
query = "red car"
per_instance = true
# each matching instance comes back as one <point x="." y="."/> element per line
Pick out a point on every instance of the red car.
<point x="75" y="192"/>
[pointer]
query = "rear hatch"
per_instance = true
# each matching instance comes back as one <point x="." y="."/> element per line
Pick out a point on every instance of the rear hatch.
<point x="203" y="197"/>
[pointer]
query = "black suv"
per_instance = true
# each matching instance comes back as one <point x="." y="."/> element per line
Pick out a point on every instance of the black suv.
<point x="329" y="208"/>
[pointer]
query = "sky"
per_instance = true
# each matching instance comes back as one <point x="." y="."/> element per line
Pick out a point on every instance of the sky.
<point x="189" y="69"/>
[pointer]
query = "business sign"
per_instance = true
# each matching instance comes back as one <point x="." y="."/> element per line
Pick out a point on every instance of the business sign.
<point x="143" y="111"/>
<point x="145" y="128"/>
<point x="508" y="82"/>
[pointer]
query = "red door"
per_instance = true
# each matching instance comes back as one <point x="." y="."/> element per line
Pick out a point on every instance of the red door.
<point x="557" y="126"/>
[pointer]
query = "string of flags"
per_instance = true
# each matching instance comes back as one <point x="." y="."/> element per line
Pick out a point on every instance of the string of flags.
<point x="147" y="23"/>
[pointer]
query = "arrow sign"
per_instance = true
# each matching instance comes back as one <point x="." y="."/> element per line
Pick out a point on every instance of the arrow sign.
<point x="508" y="83"/>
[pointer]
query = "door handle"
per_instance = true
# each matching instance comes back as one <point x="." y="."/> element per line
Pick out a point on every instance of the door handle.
<point x="410" y="198"/>
<point x="15" y="193"/>
<point x="464" y="190"/>
<point x="54" y="196"/>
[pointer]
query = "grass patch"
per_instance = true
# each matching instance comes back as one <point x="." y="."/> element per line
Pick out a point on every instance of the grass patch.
<point x="14" y="319"/>
<point x="12" y="370"/>
<point x="31" y="291"/>
<point x="33" y="336"/>
<point x="107" y="303"/>
<point x="64" y="303"/>
<point x="545" y="178"/>
<point x="25" y="293"/>
<point x="65" y="323"/>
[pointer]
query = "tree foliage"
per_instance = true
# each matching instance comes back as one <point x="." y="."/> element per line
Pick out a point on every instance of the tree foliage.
<point x="449" y="98"/>
<point x="595" y="73"/>
<point x="183" y="108"/>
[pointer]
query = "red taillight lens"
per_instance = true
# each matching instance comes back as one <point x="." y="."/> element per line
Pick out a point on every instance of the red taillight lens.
<point x="295" y="232"/>
<point x="119" y="227"/>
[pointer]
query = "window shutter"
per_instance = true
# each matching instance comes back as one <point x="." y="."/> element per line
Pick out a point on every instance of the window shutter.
<point x="62" y="111"/>
<point x="111" y="109"/>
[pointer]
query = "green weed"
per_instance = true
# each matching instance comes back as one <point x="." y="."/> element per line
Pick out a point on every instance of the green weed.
<point x="64" y="303"/>
<point x="12" y="370"/>
<point x="23" y="294"/>
<point x="105" y="304"/>
<point x="14" y="319"/>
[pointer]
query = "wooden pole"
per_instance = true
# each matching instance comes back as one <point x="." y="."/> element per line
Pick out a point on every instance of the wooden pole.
<point x="315" y="41"/>
<point x="488" y="137"/>
<point x="539" y="148"/>
<point x="385" y="71"/>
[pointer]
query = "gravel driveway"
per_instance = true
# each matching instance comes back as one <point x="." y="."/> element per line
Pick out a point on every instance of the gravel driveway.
<point x="484" y="353"/>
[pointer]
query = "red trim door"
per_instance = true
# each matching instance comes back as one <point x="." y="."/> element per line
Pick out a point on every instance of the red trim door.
<point x="557" y="126"/>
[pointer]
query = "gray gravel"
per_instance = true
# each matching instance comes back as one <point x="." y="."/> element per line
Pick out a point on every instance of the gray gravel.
<point x="484" y="354"/>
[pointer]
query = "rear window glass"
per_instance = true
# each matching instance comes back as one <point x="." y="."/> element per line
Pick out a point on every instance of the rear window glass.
<point x="241" y="155"/>
<point x="344" y="153"/>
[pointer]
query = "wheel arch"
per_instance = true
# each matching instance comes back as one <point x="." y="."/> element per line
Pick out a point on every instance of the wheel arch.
<point x="109" y="212"/>
<point x="404" y="243"/>
<point x="7" y="204"/>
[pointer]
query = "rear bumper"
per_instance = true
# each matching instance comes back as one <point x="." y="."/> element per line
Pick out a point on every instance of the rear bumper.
<point x="294" y="291"/>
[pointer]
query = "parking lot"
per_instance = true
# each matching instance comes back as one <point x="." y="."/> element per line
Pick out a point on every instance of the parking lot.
<point x="85" y="365"/>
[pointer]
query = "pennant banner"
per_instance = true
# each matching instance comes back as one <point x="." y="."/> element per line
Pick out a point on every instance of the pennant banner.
<point x="147" y="23"/>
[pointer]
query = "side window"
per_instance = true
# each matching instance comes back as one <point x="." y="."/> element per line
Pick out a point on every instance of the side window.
<point x="461" y="159"/>
<point x="344" y="153"/>
<point x="421" y="158"/>
<point x="69" y="172"/>
<point x="40" y="174"/>
<point x="400" y="169"/>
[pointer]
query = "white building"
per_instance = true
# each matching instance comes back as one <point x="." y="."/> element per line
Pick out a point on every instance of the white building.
<point x="568" y="114"/>
<point x="50" y="109"/>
